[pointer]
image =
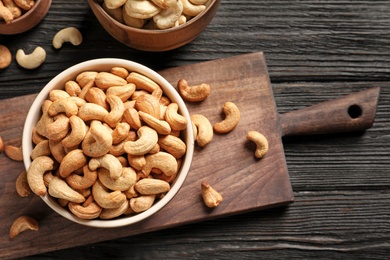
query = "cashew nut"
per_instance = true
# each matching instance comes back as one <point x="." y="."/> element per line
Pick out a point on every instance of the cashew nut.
<point x="147" y="139"/>
<point x="69" y="34"/>
<point x="97" y="141"/>
<point x="5" y="13"/>
<point x="105" y="198"/>
<point x="32" y="60"/>
<point x="117" y="109"/>
<point x="25" y="4"/>
<point x="141" y="81"/>
<point x="97" y="96"/>
<point x="86" y="77"/>
<point x="14" y="152"/>
<point x="211" y="197"/>
<point x="173" y="145"/>
<point x="82" y="182"/>
<point x="136" y="161"/>
<point x="123" y="183"/>
<point x="204" y="129"/>
<point x="45" y="118"/>
<point x="148" y="104"/>
<point x="41" y="149"/>
<point x="131" y="116"/>
<point x="91" y="211"/>
<point x="162" y="127"/>
<point x="150" y="186"/>
<point x="174" y="119"/>
<point x="192" y="9"/>
<point x="58" y="94"/>
<point x="57" y="150"/>
<point x="59" y="128"/>
<point x="162" y="161"/>
<point x="22" y="224"/>
<point x="21" y="185"/>
<point x="142" y="203"/>
<point x="124" y="92"/>
<point x="193" y="93"/>
<point x="108" y="161"/>
<point x="120" y="132"/>
<point x="91" y="111"/>
<point x="77" y="132"/>
<point x="168" y="17"/>
<point x="115" y="212"/>
<point x="261" y="143"/>
<point x="231" y="120"/>
<point x="104" y="80"/>
<point x="131" y="21"/>
<point x="115" y="13"/>
<point x="72" y="88"/>
<point x="35" y="173"/>
<point x="71" y="162"/>
<point x="113" y="4"/>
<point x="120" y="72"/>
<point x="5" y="54"/>
<point x="58" y="188"/>
<point x="141" y="9"/>
<point x="66" y="105"/>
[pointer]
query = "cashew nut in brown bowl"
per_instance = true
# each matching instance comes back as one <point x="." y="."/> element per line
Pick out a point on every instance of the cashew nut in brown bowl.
<point x="154" y="25"/>
<point x="107" y="143"/>
<point x="18" y="16"/>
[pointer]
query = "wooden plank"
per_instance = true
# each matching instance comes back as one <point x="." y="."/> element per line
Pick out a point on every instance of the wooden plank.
<point x="228" y="163"/>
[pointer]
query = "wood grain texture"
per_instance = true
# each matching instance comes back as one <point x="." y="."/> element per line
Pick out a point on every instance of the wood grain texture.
<point x="316" y="51"/>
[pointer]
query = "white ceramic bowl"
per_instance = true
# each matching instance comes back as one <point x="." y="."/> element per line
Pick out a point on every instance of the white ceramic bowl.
<point x="105" y="65"/>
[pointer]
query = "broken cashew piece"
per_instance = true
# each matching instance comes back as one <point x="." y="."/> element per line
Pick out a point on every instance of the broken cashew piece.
<point x="193" y="93"/>
<point x="211" y="197"/>
<point x="14" y="152"/>
<point x="231" y="120"/>
<point x="21" y="185"/>
<point x="261" y="143"/>
<point x="32" y="60"/>
<point x="203" y="128"/>
<point x="69" y="34"/>
<point x="22" y="224"/>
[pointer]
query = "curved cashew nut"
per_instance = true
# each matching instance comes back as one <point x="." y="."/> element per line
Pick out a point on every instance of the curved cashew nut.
<point x="192" y="9"/>
<point x="91" y="111"/>
<point x="5" y="13"/>
<point x="72" y="88"/>
<point x="21" y="185"/>
<point x="14" y="152"/>
<point x="77" y="134"/>
<point x="193" y="93"/>
<point x="174" y="119"/>
<point x="142" y="203"/>
<point x="173" y="145"/>
<point x="41" y="149"/>
<point x="141" y="81"/>
<point x="86" y="77"/>
<point x="57" y="150"/>
<point x="58" y="188"/>
<point x="22" y="224"/>
<point x="231" y="120"/>
<point x="5" y="54"/>
<point x="97" y="96"/>
<point x="58" y="94"/>
<point x="66" y="105"/>
<point x="35" y="173"/>
<point x="120" y="72"/>
<point x="120" y="132"/>
<point x="108" y="161"/>
<point x="147" y="139"/>
<point x="105" y="198"/>
<point x="79" y="182"/>
<point x="32" y="60"/>
<point x="131" y="116"/>
<point x="204" y="129"/>
<point x="25" y="4"/>
<point x="162" y="127"/>
<point x="261" y="143"/>
<point x="124" y="92"/>
<point x="69" y="34"/>
<point x="113" y="4"/>
<point x="123" y="183"/>
<point x="105" y="80"/>
<point x="149" y="186"/>
<point x="117" y="109"/>
<point x="97" y="141"/>
<point x="45" y="118"/>
<point x="168" y="17"/>
<point x="71" y="162"/>
<point x="91" y="211"/>
<point x="59" y="128"/>
<point x="115" y="212"/>
<point x="162" y="161"/>
<point x="141" y="9"/>
<point x="136" y="161"/>
<point x="148" y="104"/>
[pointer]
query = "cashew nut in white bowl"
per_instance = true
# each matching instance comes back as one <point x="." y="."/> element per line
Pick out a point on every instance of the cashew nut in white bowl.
<point x="105" y="65"/>
<point x="69" y="34"/>
<point x="32" y="60"/>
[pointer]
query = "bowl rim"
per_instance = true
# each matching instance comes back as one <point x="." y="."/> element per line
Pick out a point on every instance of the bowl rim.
<point x="152" y="31"/>
<point x="103" y="63"/>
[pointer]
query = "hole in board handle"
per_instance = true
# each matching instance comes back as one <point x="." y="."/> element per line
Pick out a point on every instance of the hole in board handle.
<point x="355" y="111"/>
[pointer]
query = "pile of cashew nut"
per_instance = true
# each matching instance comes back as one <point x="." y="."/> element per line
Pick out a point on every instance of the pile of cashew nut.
<point x="153" y="14"/>
<point x="107" y="144"/>
<point x="12" y="9"/>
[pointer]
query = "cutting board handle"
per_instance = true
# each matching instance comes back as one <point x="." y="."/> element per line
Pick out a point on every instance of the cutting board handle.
<point x="354" y="112"/>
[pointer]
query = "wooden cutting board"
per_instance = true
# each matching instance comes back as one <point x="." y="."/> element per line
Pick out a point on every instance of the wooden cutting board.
<point x="227" y="163"/>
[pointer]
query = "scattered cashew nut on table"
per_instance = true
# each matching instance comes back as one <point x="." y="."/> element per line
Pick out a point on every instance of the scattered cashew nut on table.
<point x="261" y="143"/>
<point x="231" y="120"/>
<point x="32" y="60"/>
<point x="69" y="34"/>
<point x="22" y="224"/>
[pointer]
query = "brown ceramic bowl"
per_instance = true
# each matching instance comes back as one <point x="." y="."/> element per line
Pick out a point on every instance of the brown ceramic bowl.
<point x="155" y="40"/>
<point x="28" y="20"/>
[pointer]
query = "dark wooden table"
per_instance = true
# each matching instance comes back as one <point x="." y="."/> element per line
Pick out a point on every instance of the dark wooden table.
<point x="315" y="51"/>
